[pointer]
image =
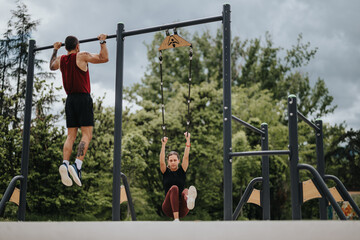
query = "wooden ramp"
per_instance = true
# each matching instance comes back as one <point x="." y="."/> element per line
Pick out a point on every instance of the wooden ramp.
<point x="219" y="230"/>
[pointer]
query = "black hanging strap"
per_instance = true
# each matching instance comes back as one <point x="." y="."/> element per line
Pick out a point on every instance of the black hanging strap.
<point x="188" y="117"/>
<point x="189" y="83"/>
<point x="162" y="96"/>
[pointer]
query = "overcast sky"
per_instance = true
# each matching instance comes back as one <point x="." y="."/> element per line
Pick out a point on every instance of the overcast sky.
<point x="333" y="26"/>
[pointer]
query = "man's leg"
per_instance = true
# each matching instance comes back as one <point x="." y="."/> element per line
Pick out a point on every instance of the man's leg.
<point x="67" y="149"/>
<point x="75" y="169"/>
<point x="86" y="137"/>
<point x="68" y="145"/>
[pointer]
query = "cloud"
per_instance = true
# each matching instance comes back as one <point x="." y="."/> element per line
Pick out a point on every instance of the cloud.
<point x="332" y="26"/>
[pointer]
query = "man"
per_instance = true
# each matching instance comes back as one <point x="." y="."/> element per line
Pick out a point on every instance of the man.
<point x="79" y="104"/>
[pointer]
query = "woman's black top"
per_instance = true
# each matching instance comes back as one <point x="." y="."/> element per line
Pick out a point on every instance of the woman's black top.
<point x="171" y="178"/>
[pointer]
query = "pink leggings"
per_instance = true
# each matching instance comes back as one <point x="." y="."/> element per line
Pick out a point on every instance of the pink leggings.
<point x="172" y="203"/>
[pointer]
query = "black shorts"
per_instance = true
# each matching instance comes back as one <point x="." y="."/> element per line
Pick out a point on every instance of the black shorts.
<point x="79" y="110"/>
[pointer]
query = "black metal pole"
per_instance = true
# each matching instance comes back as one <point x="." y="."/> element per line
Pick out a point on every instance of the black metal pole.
<point x="9" y="191"/>
<point x="259" y="153"/>
<point x="294" y="158"/>
<point x="343" y="192"/>
<point x="129" y="198"/>
<point x="148" y="30"/>
<point x="80" y="41"/>
<point x="302" y="117"/>
<point x="245" y="197"/>
<point x="321" y="165"/>
<point x="323" y="189"/>
<point x="118" y="122"/>
<point x="26" y="131"/>
<point x="227" y="113"/>
<point x="249" y="126"/>
<point x="265" y="174"/>
<point x="173" y="25"/>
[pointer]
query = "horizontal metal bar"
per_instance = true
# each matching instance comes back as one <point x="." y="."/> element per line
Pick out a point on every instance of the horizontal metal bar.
<point x="80" y="41"/>
<point x="248" y="125"/>
<point x="172" y="25"/>
<point x="259" y="153"/>
<point x="147" y="30"/>
<point x="308" y="121"/>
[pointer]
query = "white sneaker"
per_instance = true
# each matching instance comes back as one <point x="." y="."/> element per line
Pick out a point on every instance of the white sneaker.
<point x="75" y="173"/>
<point x="176" y="220"/>
<point x="191" y="198"/>
<point x="64" y="173"/>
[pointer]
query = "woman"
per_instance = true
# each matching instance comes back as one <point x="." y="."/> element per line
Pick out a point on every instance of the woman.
<point x="178" y="199"/>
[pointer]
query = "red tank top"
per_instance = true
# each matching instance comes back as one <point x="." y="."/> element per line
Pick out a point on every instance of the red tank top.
<point x="75" y="80"/>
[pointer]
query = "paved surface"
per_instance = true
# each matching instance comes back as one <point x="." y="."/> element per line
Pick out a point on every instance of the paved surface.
<point x="219" y="230"/>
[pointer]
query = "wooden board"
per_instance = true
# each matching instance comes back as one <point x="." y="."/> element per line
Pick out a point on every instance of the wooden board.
<point x="15" y="197"/>
<point x="310" y="192"/>
<point x="255" y="197"/>
<point x="123" y="197"/>
<point x="336" y="194"/>
<point x="173" y="41"/>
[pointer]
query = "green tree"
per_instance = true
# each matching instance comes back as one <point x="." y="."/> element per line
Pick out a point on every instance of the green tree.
<point x="20" y="28"/>
<point x="343" y="159"/>
<point x="5" y="65"/>
<point x="14" y="60"/>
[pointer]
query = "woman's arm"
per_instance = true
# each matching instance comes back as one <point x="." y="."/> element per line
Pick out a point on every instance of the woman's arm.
<point x="162" y="154"/>
<point x="185" y="161"/>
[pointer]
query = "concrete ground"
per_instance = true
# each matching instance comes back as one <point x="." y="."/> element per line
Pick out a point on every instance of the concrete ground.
<point x="219" y="230"/>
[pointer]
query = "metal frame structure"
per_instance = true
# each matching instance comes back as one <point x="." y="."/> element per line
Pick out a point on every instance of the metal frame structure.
<point x="319" y="176"/>
<point x="295" y="166"/>
<point x="121" y="34"/>
<point x="264" y="179"/>
<point x="120" y="37"/>
<point x="323" y="203"/>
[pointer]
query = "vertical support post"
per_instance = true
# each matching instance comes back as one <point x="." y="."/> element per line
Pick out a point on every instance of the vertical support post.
<point x="26" y="133"/>
<point x="294" y="158"/>
<point x="118" y="122"/>
<point x="321" y="165"/>
<point x="227" y="113"/>
<point x="265" y="174"/>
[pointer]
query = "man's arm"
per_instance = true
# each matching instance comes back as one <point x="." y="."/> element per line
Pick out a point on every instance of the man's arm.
<point x="55" y="61"/>
<point x="162" y="154"/>
<point x="102" y="57"/>
<point x="185" y="161"/>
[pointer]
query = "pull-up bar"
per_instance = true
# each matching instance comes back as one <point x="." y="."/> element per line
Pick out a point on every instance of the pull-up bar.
<point x="147" y="30"/>
<point x="80" y="41"/>
<point x="173" y="25"/>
